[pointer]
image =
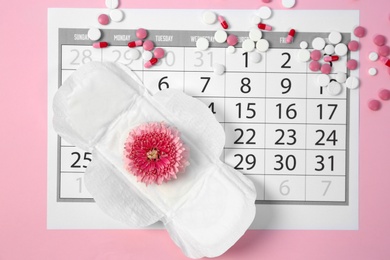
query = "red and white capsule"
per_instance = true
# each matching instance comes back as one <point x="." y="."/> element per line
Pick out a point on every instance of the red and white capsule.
<point x="385" y="61"/>
<point x="100" y="45"/>
<point x="263" y="26"/>
<point x="135" y="44"/>
<point x="290" y="36"/>
<point x="223" y="22"/>
<point x="331" y="58"/>
<point x="150" y="63"/>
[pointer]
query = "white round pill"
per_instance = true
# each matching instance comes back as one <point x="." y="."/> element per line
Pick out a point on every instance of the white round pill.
<point x="341" y="77"/>
<point x="255" y="57"/>
<point x="248" y="45"/>
<point x="255" y="20"/>
<point x="372" y="71"/>
<point x="335" y="37"/>
<point x="352" y="82"/>
<point x="318" y="43"/>
<point x="288" y="3"/>
<point x="262" y="45"/>
<point x="255" y="34"/>
<point x="218" y="69"/>
<point x="147" y="55"/>
<point x="303" y="55"/>
<point x="334" y="88"/>
<point x="112" y="4"/>
<point x="303" y="45"/>
<point x="94" y="34"/>
<point x="231" y="49"/>
<point x="133" y="54"/>
<point x="202" y="44"/>
<point x="341" y="49"/>
<point x="373" y="56"/>
<point x="323" y="80"/>
<point x="329" y="49"/>
<point x="220" y="36"/>
<point x="264" y="12"/>
<point x="209" y="17"/>
<point x="116" y="15"/>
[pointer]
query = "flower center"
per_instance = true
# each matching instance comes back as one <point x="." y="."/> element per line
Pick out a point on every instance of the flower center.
<point x="152" y="154"/>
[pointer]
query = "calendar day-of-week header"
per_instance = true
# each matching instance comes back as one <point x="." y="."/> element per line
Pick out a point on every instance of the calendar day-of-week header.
<point x="181" y="38"/>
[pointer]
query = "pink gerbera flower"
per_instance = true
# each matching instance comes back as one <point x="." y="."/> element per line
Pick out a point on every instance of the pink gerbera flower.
<point x="155" y="153"/>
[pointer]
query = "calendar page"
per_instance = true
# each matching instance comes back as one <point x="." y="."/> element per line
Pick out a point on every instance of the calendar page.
<point x="295" y="141"/>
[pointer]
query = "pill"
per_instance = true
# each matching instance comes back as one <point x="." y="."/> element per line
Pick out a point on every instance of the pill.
<point x="232" y="40"/>
<point x="303" y="45"/>
<point x="148" y="45"/>
<point x="248" y="45"/>
<point x="331" y="58"/>
<point x="262" y="45"/>
<point x="141" y="33"/>
<point x="218" y="69"/>
<point x="341" y="49"/>
<point x="263" y="26"/>
<point x="372" y="71"/>
<point x="133" y="54"/>
<point x="323" y="80"/>
<point x="230" y="49"/>
<point x="379" y="40"/>
<point x="384" y="94"/>
<point x="385" y="61"/>
<point x="334" y="88"/>
<point x="202" y="44"/>
<point x="352" y="82"/>
<point x="335" y="37"/>
<point x="288" y="3"/>
<point x="103" y="19"/>
<point x="209" y="17"/>
<point x="151" y="62"/>
<point x="373" y="56"/>
<point x="255" y="57"/>
<point x="135" y="44"/>
<point x="303" y="55"/>
<point x="359" y="31"/>
<point x="329" y="49"/>
<point x="116" y="15"/>
<point x="384" y="50"/>
<point x="318" y="43"/>
<point x="374" y="105"/>
<point x="352" y="64"/>
<point x="99" y="45"/>
<point x="255" y="34"/>
<point x="290" y="36"/>
<point x="159" y="53"/>
<point x="314" y="65"/>
<point x="326" y="68"/>
<point x="147" y="55"/>
<point x="266" y="1"/>
<point x="353" y="45"/>
<point x="341" y="77"/>
<point x="264" y="12"/>
<point x="112" y="4"/>
<point x="94" y="34"/>
<point x="223" y="22"/>
<point x="220" y="36"/>
<point x="255" y="19"/>
<point x="315" y="55"/>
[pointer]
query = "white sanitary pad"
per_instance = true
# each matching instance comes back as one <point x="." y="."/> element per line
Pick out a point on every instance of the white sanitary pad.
<point x="205" y="210"/>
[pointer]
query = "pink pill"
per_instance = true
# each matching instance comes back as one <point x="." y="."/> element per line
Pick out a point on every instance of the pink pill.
<point x="266" y="1"/>
<point x="384" y="94"/>
<point x="148" y="45"/>
<point x="379" y="40"/>
<point x="384" y="50"/>
<point x="315" y="55"/>
<point x="353" y="45"/>
<point x="314" y="65"/>
<point x="326" y="68"/>
<point x="141" y="33"/>
<point x="232" y="40"/>
<point x="352" y="64"/>
<point x="104" y="19"/>
<point x="374" y="104"/>
<point x="359" y="31"/>
<point x="158" y="53"/>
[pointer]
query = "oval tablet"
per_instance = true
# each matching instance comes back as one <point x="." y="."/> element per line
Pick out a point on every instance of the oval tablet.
<point x="248" y="45"/>
<point x="209" y="17"/>
<point x="352" y="82"/>
<point x="94" y="34"/>
<point x="202" y="44"/>
<point x="220" y="36"/>
<point x="116" y="15"/>
<point x="262" y="45"/>
<point x="334" y="88"/>
<point x="318" y="43"/>
<point x="265" y="12"/>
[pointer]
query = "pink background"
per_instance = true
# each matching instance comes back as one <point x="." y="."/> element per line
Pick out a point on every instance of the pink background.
<point x="23" y="106"/>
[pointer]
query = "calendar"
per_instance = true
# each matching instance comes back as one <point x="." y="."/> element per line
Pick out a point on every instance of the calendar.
<point x="296" y="142"/>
